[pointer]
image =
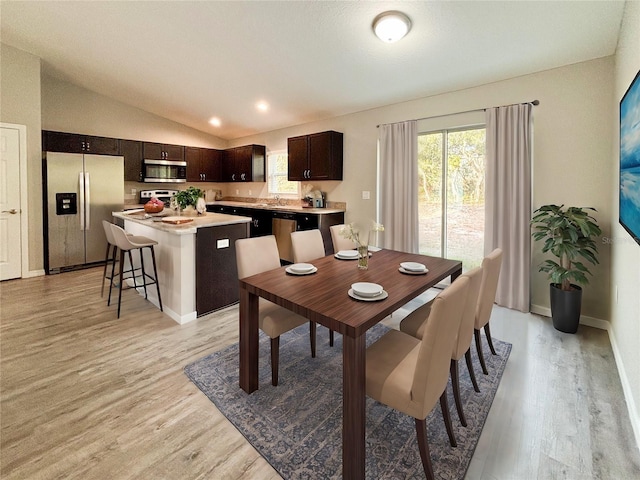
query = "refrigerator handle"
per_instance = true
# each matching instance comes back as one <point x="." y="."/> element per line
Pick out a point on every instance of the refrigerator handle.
<point x="81" y="198"/>
<point x="87" y="200"/>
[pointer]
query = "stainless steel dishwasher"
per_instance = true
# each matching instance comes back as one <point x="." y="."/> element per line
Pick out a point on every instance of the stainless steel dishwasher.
<point x="282" y="225"/>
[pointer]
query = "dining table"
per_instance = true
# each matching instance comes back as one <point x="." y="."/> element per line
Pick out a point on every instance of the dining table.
<point x="323" y="297"/>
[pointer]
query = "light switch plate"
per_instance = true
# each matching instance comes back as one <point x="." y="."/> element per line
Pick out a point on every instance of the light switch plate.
<point x="366" y="195"/>
<point x="223" y="243"/>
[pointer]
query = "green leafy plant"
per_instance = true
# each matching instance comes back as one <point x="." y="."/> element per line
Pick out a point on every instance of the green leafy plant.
<point x="187" y="197"/>
<point x="569" y="234"/>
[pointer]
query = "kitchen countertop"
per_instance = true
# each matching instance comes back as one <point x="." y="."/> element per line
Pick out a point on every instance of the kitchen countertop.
<point x="207" y="219"/>
<point x="279" y="208"/>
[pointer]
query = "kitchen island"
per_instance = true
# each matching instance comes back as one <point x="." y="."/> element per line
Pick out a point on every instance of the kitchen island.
<point x="196" y="260"/>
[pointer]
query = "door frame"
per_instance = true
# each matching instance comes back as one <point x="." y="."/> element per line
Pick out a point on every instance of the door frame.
<point x="24" y="210"/>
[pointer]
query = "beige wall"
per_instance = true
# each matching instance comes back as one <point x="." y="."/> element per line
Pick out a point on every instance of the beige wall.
<point x="20" y="104"/>
<point x="572" y="151"/>
<point x="625" y="254"/>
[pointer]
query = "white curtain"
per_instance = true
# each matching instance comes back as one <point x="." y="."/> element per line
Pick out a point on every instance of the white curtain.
<point x="508" y="200"/>
<point x="399" y="185"/>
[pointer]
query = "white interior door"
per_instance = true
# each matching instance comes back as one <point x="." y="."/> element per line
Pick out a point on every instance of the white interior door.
<point x="10" y="208"/>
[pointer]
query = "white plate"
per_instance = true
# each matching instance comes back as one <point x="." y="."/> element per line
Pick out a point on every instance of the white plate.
<point x="347" y="254"/>
<point x="413" y="266"/>
<point x="410" y="272"/>
<point x="373" y="248"/>
<point x="377" y="298"/>
<point x="301" y="267"/>
<point x="288" y="270"/>
<point x="366" y="289"/>
<point x="345" y="258"/>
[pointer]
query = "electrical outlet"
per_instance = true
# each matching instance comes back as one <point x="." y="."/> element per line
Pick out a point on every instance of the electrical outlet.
<point x="366" y="195"/>
<point x="237" y="192"/>
<point x="250" y="193"/>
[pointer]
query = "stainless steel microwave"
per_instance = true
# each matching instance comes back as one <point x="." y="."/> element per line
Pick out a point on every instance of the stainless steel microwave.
<point x="164" y="171"/>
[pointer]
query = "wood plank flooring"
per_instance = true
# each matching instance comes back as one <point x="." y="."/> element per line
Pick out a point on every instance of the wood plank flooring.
<point x="86" y="395"/>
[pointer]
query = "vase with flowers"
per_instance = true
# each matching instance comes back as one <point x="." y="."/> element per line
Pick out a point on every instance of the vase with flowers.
<point x="361" y="239"/>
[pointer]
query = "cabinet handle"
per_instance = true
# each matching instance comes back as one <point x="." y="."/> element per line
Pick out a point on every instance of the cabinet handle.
<point x="88" y="146"/>
<point x="242" y="176"/>
<point x="233" y="177"/>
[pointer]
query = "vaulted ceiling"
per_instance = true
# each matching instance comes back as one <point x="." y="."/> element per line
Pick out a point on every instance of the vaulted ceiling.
<point x="190" y="61"/>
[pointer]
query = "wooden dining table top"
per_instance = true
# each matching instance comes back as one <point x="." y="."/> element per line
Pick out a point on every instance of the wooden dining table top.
<point x="323" y="296"/>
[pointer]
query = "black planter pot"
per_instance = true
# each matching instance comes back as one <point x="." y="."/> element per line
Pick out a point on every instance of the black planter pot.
<point x="565" y="307"/>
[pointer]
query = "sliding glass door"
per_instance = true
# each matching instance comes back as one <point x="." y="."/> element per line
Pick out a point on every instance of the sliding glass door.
<point x="451" y="165"/>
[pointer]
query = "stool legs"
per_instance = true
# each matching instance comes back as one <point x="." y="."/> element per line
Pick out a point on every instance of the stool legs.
<point x="135" y="284"/>
<point x="155" y="273"/>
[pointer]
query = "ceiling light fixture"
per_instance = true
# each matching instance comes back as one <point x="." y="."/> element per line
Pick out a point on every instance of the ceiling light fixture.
<point x="215" y="121"/>
<point x="262" y="106"/>
<point x="391" y="26"/>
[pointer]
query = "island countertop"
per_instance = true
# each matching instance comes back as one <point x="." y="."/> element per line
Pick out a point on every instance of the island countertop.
<point x="207" y="219"/>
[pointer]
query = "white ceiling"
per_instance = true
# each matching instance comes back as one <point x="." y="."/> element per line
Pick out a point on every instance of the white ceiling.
<point x="188" y="61"/>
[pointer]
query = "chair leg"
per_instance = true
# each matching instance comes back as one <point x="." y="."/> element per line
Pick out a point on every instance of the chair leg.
<point x="155" y="274"/>
<point x="330" y="338"/>
<point x="113" y="271"/>
<point x="144" y="276"/>
<point x="476" y="333"/>
<point x="472" y="374"/>
<point x="487" y="333"/>
<point x="312" y="338"/>
<point x="455" y="382"/>
<point x="133" y="271"/>
<point x="423" y="446"/>
<point x="275" y="355"/>
<point x="104" y="274"/>
<point x="120" y="281"/>
<point x="447" y="418"/>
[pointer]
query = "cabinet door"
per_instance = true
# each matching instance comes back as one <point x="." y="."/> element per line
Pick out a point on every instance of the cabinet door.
<point x="131" y="150"/>
<point x="229" y="172"/>
<point x="298" y="158"/>
<point x="101" y="145"/>
<point x="325" y="156"/>
<point x="211" y="164"/>
<point x="174" y="152"/>
<point x="152" y="151"/>
<point x="244" y="161"/>
<point x="61" y="142"/>
<point x="193" y="156"/>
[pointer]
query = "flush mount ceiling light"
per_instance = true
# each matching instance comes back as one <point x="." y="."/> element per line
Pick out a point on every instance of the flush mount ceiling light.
<point x="262" y="106"/>
<point x="391" y="26"/>
<point x="215" y="121"/>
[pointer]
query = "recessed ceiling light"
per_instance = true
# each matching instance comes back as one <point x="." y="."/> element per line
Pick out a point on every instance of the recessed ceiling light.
<point x="391" y="26"/>
<point x="262" y="106"/>
<point x="215" y="121"/>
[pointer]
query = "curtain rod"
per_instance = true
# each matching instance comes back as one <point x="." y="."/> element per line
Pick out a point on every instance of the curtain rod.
<point x="533" y="102"/>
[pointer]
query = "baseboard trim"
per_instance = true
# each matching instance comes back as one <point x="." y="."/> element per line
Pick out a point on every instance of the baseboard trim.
<point x="33" y="273"/>
<point x="624" y="379"/>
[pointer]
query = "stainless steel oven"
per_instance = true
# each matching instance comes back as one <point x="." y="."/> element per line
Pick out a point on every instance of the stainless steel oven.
<point x="164" y="171"/>
<point x="282" y="225"/>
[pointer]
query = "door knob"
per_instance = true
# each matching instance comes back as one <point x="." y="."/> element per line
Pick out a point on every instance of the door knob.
<point x="13" y="211"/>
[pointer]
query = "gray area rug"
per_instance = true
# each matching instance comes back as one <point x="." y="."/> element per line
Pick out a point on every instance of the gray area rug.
<point x="297" y="426"/>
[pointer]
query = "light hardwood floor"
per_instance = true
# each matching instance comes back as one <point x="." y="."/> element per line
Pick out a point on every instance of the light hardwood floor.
<point x="86" y="395"/>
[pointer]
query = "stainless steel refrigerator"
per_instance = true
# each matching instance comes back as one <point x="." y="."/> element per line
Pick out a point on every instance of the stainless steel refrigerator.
<point x="81" y="191"/>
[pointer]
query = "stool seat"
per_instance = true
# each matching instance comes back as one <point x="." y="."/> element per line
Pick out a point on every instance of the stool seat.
<point x="128" y="243"/>
<point x="110" y="257"/>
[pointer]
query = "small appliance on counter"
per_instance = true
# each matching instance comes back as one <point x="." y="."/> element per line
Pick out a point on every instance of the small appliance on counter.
<point x="164" y="196"/>
<point x="318" y="199"/>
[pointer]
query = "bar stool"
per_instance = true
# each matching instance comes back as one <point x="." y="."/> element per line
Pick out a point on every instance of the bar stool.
<point x="110" y="257"/>
<point x="127" y="243"/>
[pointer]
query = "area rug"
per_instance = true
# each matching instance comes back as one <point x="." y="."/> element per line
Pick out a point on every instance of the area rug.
<point x="297" y="426"/>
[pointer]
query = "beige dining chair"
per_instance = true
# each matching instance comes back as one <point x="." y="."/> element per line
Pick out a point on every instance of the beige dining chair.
<point x="340" y="242"/>
<point x="307" y="246"/>
<point x="257" y="255"/>
<point x="414" y="324"/>
<point x="410" y="375"/>
<point x="490" y="274"/>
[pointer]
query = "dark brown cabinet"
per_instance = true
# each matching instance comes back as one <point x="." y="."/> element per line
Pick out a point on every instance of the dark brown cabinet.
<point x="131" y="150"/>
<point x="203" y="164"/>
<point x="318" y="156"/>
<point x="244" y="164"/>
<point x="160" y="151"/>
<point x="78" y="143"/>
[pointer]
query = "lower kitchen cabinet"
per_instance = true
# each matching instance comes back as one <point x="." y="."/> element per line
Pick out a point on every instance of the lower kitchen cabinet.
<point x="216" y="270"/>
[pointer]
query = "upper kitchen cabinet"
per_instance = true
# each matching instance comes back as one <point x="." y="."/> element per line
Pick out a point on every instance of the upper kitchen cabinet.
<point x="78" y="143"/>
<point x="244" y="164"/>
<point x="317" y="156"/>
<point x="159" y="151"/>
<point x="131" y="150"/>
<point x="203" y="164"/>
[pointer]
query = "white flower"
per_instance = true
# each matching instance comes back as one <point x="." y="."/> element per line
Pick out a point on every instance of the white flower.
<point x="351" y="232"/>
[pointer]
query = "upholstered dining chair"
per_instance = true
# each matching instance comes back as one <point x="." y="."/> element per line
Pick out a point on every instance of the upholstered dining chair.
<point x="410" y="374"/>
<point x="256" y="255"/>
<point x="490" y="274"/>
<point x="340" y="242"/>
<point x="414" y="324"/>
<point x="307" y="246"/>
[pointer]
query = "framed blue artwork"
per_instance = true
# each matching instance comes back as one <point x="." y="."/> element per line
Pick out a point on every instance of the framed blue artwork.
<point x="630" y="159"/>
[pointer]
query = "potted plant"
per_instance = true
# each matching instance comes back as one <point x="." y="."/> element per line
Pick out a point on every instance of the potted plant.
<point x="188" y="198"/>
<point x="569" y="234"/>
